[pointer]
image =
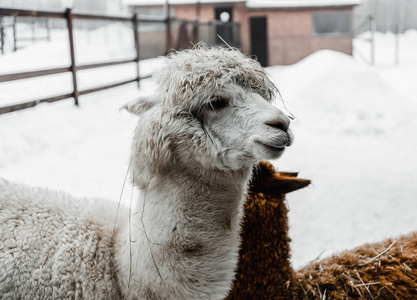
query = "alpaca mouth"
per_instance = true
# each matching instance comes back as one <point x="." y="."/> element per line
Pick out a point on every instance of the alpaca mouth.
<point x="272" y="148"/>
<point x="278" y="145"/>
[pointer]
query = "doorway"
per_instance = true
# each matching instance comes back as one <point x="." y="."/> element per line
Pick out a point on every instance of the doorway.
<point x="259" y="39"/>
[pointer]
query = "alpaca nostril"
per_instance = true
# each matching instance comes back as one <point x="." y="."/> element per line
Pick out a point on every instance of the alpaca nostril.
<point x="281" y="123"/>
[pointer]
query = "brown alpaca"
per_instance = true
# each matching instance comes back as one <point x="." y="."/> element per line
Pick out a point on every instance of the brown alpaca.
<point x="264" y="270"/>
<point x="386" y="270"/>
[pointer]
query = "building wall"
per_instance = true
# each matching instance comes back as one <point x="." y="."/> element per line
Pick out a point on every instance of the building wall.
<point x="290" y="35"/>
<point x="289" y="31"/>
<point x="189" y="12"/>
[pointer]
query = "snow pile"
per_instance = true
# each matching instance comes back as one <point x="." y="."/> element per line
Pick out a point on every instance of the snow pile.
<point x="82" y="150"/>
<point x="401" y="77"/>
<point x="331" y="88"/>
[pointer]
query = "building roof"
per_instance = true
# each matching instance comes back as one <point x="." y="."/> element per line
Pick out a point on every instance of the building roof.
<point x="299" y="3"/>
<point x="174" y="2"/>
<point x="252" y="3"/>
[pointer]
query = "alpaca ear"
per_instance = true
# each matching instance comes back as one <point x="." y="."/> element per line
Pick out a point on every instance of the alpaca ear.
<point x="140" y="105"/>
<point x="278" y="185"/>
<point x="266" y="180"/>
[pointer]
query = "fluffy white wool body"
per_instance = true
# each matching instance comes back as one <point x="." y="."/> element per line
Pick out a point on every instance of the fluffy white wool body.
<point x="193" y="150"/>
<point x="54" y="246"/>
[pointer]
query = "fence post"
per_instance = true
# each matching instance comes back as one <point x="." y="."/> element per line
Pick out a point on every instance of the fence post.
<point x="168" y="38"/>
<point x="68" y="15"/>
<point x="372" y="26"/>
<point x="1" y="35"/>
<point x="33" y="30"/>
<point x="136" y="33"/>
<point x="48" y="29"/>
<point x="14" y="34"/>
<point x="196" y="32"/>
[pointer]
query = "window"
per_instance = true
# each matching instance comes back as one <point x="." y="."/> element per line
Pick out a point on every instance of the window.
<point x="331" y="24"/>
<point x="224" y="27"/>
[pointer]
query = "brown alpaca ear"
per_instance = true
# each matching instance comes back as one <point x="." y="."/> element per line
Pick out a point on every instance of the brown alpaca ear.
<point x="288" y="174"/>
<point x="266" y="180"/>
<point x="278" y="185"/>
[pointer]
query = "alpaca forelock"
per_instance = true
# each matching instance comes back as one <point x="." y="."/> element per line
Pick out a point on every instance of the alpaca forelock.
<point x="198" y="73"/>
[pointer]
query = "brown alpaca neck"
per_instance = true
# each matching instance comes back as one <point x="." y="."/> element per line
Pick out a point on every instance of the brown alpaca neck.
<point x="264" y="270"/>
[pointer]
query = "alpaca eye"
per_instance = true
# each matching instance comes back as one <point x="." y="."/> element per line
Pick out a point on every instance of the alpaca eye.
<point x="217" y="103"/>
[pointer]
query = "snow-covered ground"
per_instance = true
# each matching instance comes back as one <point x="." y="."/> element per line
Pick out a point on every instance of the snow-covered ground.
<point x="355" y="138"/>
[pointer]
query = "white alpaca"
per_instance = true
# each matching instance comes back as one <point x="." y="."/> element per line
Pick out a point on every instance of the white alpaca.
<point x="193" y="150"/>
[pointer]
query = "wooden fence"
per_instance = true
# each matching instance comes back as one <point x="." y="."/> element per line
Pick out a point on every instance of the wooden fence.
<point x="69" y="16"/>
<point x="15" y="39"/>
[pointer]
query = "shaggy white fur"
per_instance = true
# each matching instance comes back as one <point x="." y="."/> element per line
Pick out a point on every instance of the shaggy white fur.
<point x="193" y="150"/>
<point x="54" y="246"/>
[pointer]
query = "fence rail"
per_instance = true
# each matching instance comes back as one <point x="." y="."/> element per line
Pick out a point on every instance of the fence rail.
<point x="62" y="15"/>
<point x="73" y="68"/>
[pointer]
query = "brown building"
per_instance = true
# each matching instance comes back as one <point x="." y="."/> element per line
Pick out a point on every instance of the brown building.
<point x="278" y="32"/>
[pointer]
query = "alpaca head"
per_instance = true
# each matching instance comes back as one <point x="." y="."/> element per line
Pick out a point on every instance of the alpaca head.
<point x="212" y="110"/>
